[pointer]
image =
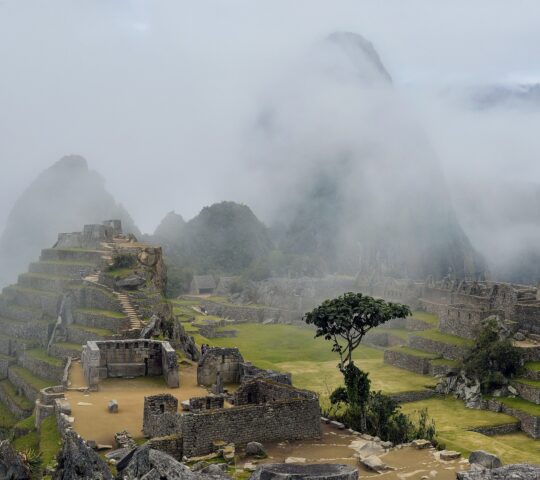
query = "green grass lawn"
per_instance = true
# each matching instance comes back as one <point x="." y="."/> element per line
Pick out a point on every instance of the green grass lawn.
<point x="533" y="366"/>
<point x="398" y="332"/>
<point x="41" y="354"/>
<point x="103" y="332"/>
<point x="521" y="404"/>
<point x="103" y="313"/>
<point x="444" y="361"/>
<point x="414" y="351"/>
<point x="430" y="318"/>
<point x="438" y="336"/>
<point x="37" y="382"/>
<point x="311" y="361"/>
<point x="526" y="381"/>
<point x="7" y="419"/>
<point x="50" y="441"/>
<point x="19" y="400"/>
<point x="453" y="421"/>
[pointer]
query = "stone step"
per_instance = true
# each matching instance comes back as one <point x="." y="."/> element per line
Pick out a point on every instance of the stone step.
<point x="72" y="255"/>
<point x="447" y="346"/>
<point x="41" y="281"/>
<point x="414" y="360"/>
<point x="17" y="404"/>
<point x="42" y="365"/>
<point x="24" y="380"/>
<point x="35" y="330"/>
<point x="62" y="268"/>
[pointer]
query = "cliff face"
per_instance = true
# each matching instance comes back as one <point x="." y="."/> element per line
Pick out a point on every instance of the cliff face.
<point x="368" y="191"/>
<point x="60" y="199"/>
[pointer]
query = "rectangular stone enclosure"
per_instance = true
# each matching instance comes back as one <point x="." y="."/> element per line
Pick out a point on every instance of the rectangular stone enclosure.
<point x="129" y="358"/>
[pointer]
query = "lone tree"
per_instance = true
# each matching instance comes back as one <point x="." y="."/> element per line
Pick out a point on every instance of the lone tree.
<point x="346" y="319"/>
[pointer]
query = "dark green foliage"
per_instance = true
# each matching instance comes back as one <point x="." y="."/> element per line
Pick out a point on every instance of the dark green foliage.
<point x="224" y="238"/>
<point x="357" y="384"/>
<point x="123" y="260"/>
<point x="178" y="279"/>
<point x="34" y="460"/>
<point x="346" y="319"/>
<point x="492" y="360"/>
<point x="339" y="395"/>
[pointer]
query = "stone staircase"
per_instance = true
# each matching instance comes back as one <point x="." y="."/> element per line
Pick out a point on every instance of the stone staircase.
<point x="135" y="323"/>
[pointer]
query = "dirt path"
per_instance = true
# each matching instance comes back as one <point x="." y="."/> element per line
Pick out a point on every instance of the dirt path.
<point x="94" y="422"/>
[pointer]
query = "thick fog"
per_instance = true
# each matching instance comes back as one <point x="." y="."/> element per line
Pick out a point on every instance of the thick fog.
<point x="174" y="103"/>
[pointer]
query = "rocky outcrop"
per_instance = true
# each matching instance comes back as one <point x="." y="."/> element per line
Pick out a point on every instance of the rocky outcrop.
<point x="484" y="459"/>
<point x="322" y="471"/>
<point x="462" y="388"/>
<point x="77" y="460"/>
<point x="148" y="464"/>
<point x="13" y="465"/>
<point x="520" y="471"/>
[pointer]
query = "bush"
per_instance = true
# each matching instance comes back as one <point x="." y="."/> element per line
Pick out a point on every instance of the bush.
<point x="123" y="260"/>
<point x="492" y="360"/>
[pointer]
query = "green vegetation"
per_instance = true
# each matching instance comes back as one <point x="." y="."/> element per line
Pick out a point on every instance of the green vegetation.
<point x="76" y="263"/>
<point x="36" y="382"/>
<point x="50" y="441"/>
<point x="102" y="332"/>
<point x="438" y="336"/>
<point x="533" y="366"/>
<point x="444" y="361"/>
<point x="521" y="404"/>
<point x="69" y="346"/>
<point x="492" y="360"/>
<point x="426" y="317"/>
<point x="7" y="419"/>
<point x="41" y="354"/>
<point x="413" y="351"/>
<point x="454" y="422"/>
<point x="119" y="273"/>
<point x="30" y="441"/>
<point x="526" y="381"/>
<point x="47" y="276"/>
<point x="27" y="423"/>
<point x="102" y="313"/>
<point x="19" y="400"/>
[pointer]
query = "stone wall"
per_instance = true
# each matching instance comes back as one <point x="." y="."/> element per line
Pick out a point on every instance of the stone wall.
<point x="260" y="391"/>
<point x="29" y="391"/>
<point x="226" y="361"/>
<point x="445" y="350"/>
<point x="383" y="339"/>
<point x="296" y="419"/>
<point x="209" y="402"/>
<point x="527" y="318"/>
<point x="405" y="397"/>
<point x="5" y="363"/>
<point x="407" y="361"/>
<point x="497" y="429"/>
<point x="461" y="320"/>
<point x="528" y="423"/>
<point x="172" y="445"/>
<point x="12" y="406"/>
<point x="129" y="358"/>
<point x="250" y="372"/>
<point x="247" y="313"/>
<point x="41" y="368"/>
<point x="160" y="416"/>
<point x="528" y="392"/>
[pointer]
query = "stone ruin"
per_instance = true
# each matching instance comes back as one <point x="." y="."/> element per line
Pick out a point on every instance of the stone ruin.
<point x="129" y="358"/>
<point x="229" y="366"/>
<point x="261" y="411"/>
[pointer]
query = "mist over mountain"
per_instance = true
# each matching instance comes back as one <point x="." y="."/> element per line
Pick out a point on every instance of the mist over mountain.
<point x="61" y="199"/>
<point x="225" y="237"/>
<point x="365" y="190"/>
<point x="170" y="228"/>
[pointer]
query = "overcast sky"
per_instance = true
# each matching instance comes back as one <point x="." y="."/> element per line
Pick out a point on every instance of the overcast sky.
<point x="158" y="95"/>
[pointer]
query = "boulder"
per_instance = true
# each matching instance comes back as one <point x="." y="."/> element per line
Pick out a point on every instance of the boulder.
<point x="288" y="471"/>
<point x="77" y="460"/>
<point x="369" y="449"/>
<point x="149" y="329"/>
<point x="131" y="282"/>
<point x="255" y="449"/>
<point x="484" y="459"/>
<point x="448" y="455"/>
<point x="519" y="336"/>
<point x="374" y="463"/>
<point x="520" y="471"/>
<point x="421" y="443"/>
<point x="112" y="407"/>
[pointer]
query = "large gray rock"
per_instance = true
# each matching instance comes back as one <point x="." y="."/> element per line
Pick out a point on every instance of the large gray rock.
<point x="518" y="471"/>
<point x="291" y="471"/>
<point x="374" y="463"/>
<point x="12" y="464"/>
<point x="255" y="449"/>
<point x="77" y="460"/>
<point x="370" y="448"/>
<point x="484" y="459"/>
<point x="145" y="463"/>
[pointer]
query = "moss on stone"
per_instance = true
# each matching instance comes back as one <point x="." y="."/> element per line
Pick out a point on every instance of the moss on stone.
<point x="41" y="354"/>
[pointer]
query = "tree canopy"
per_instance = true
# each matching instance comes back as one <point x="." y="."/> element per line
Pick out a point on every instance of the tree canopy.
<point x="346" y="319"/>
